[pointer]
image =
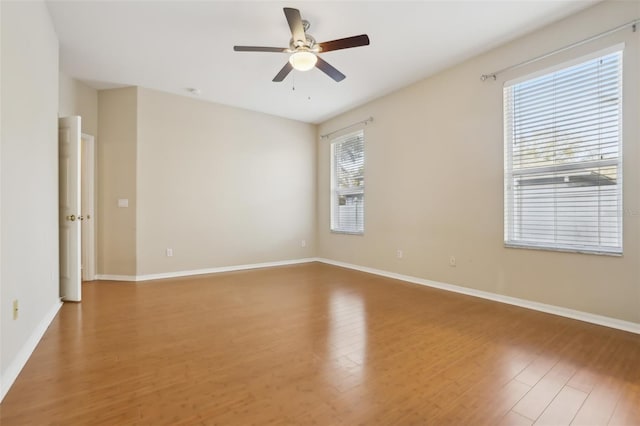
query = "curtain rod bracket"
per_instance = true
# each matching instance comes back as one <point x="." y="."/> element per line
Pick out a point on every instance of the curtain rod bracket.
<point x="483" y="77"/>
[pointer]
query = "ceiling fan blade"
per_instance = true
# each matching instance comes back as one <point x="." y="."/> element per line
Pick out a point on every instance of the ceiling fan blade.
<point x="344" y="43"/>
<point x="295" y="24"/>
<point x="258" y="49"/>
<point x="283" y="73"/>
<point x="329" y="70"/>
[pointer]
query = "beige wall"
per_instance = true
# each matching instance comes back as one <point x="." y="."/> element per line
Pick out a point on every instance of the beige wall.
<point x="221" y="186"/>
<point x="29" y="181"/>
<point x="117" y="180"/>
<point x="434" y="181"/>
<point x="76" y="98"/>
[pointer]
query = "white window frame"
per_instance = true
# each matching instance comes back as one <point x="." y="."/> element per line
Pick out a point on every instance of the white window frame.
<point x="336" y="192"/>
<point x="510" y="239"/>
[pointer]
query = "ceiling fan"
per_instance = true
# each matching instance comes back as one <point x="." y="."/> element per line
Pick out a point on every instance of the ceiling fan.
<point x="304" y="50"/>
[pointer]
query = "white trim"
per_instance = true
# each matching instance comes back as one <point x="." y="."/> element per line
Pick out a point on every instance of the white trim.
<point x="217" y="270"/>
<point x="221" y="269"/>
<point x="13" y="370"/>
<point x="531" y="210"/>
<point x="355" y="136"/>
<point x="87" y="206"/>
<point x="528" y="304"/>
<point x="108" y="277"/>
<point x="617" y="252"/>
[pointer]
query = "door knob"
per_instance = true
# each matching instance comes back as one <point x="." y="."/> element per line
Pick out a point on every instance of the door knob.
<point x="71" y="218"/>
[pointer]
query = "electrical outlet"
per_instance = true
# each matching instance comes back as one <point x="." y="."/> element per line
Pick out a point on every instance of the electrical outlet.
<point x="452" y="261"/>
<point x="169" y="252"/>
<point x="303" y="243"/>
<point x="15" y="309"/>
<point x="399" y="254"/>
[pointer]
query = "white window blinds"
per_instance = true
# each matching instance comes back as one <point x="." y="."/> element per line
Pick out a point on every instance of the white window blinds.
<point x="563" y="158"/>
<point x="347" y="183"/>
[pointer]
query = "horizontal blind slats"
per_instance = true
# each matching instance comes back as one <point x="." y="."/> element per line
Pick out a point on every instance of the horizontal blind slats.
<point x="566" y="92"/>
<point x="606" y="91"/>
<point x="348" y="182"/>
<point x="562" y="158"/>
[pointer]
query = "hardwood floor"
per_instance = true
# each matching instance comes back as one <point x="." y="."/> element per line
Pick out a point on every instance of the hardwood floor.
<point x="316" y="344"/>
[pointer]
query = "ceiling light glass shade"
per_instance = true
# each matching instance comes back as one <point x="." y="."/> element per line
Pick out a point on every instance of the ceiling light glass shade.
<point x="303" y="60"/>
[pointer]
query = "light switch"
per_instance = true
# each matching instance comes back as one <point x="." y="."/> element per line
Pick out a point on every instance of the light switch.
<point x="123" y="202"/>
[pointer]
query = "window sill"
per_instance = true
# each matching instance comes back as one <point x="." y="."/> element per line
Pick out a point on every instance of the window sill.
<point x="334" y="231"/>
<point x="563" y="249"/>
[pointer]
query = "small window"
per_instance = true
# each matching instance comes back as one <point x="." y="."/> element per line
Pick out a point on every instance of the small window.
<point x="347" y="183"/>
<point x="563" y="158"/>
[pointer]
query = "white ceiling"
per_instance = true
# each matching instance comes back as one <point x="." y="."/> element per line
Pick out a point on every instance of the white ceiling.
<point x="175" y="45"/>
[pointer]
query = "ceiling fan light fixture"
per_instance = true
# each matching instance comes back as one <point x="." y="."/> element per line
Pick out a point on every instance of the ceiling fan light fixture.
<point x="303" y="60"/>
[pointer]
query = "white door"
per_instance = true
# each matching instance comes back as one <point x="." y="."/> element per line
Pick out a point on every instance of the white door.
<point x="70" y="217"/>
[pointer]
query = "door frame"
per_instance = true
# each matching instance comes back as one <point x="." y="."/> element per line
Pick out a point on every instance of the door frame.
<point x="88" y="186"/>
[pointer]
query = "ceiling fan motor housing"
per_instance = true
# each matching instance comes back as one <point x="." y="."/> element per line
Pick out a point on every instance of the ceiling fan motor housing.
<point x="309" y="42"/>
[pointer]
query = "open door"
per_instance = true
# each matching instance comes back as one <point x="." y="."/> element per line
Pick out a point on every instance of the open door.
<point x="69" y="194"/>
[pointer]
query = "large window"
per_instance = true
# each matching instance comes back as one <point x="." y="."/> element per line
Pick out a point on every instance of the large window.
<point x="347" y="183"/>
<point x="563" y="157"/>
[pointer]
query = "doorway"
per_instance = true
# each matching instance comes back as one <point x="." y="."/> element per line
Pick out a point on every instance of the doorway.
<point x="87" y="190"/>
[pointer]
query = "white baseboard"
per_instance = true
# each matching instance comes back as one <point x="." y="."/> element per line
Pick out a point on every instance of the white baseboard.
<point x="178" y="274"/>
<point x="528" y="304"/>
<point x="107" y="277"/>
<point x="11" y="373"/>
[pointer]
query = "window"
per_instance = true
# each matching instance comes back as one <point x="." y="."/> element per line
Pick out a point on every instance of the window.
<point x="563" y="158"/>
<point x="347" y="184"/>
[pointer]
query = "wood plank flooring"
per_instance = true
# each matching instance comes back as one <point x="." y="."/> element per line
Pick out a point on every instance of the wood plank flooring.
<point x="315" y="344"/>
